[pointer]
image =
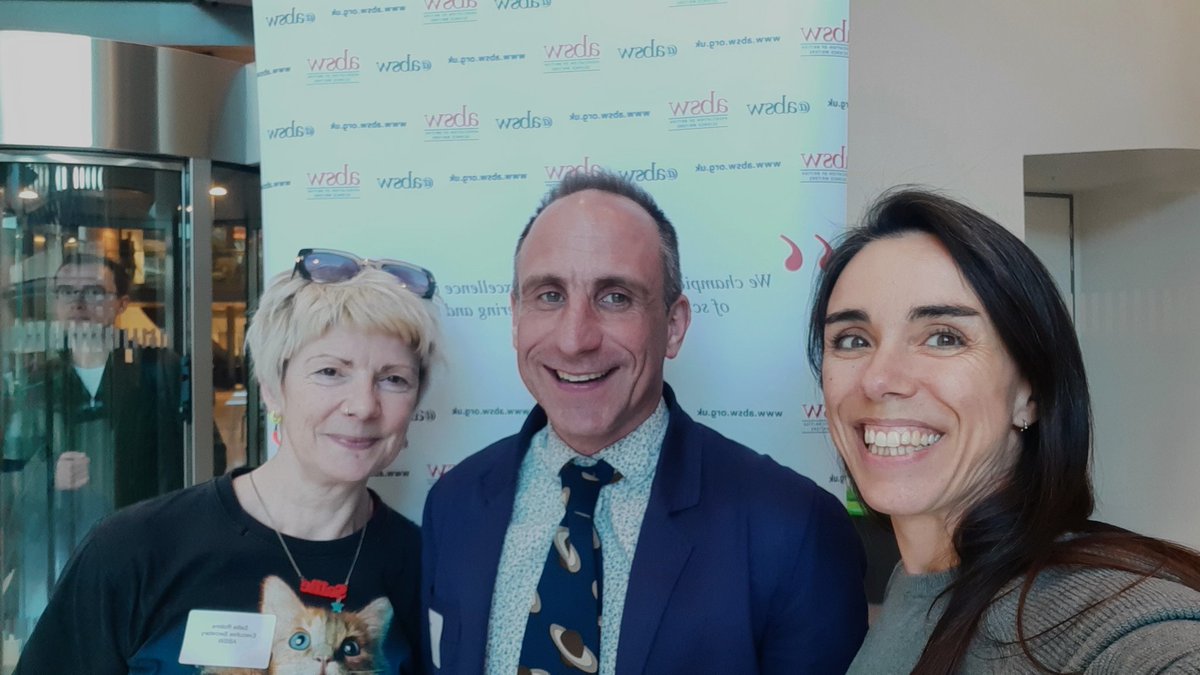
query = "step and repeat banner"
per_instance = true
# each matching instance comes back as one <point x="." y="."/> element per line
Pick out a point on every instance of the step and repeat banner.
<point x="428" y="130"/>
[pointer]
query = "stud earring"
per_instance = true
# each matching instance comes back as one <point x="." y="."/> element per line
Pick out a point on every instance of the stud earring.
<point x="275" y="417"/>
<point x="346" y="410"/>
<point x="1024" y="426"/>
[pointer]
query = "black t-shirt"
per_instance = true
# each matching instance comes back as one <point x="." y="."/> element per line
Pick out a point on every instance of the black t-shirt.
<point x="123" y="602"/>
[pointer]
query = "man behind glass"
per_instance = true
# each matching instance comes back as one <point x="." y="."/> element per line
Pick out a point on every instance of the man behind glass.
<point x="714" y="559"/>
<point x="95" y="425"/>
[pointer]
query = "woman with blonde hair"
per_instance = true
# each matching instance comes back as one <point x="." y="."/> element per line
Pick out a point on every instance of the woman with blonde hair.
<point x="295" y="564"/>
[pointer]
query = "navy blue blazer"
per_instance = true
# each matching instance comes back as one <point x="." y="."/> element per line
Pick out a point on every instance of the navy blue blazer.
<point x="742" y="565"/>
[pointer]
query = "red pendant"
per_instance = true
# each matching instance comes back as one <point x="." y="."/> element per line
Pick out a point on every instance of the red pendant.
<point x="323" y="589"/>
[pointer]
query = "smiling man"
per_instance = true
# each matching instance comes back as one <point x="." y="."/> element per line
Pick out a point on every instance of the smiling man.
<point x="613" y="515"/>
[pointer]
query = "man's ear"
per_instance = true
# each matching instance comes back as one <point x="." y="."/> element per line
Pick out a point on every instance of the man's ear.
<point x="512" y="312"/>
<point x="679" y="317"/>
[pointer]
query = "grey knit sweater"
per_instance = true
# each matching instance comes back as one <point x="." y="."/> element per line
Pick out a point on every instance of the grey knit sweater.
<point x="1153" y="627"/>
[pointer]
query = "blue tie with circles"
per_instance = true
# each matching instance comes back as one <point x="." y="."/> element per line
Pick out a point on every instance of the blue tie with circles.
<point x="562" y="634"/>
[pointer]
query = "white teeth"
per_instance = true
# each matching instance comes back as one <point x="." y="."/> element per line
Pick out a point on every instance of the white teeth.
<point x="893" y="439"/>
<point x="568" y="377"/>
<point x="897" y="443"/>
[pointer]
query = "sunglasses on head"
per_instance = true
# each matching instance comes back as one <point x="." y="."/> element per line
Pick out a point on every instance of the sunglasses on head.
<point x="325" y="266"/>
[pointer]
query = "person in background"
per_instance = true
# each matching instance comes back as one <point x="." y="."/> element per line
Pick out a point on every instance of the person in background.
<point x="956" y="395"/>
<point x="296" y="564"/>
<point x="711" y="558"/>
<point x="95" y="426"/>
<point x="114" y="403"/>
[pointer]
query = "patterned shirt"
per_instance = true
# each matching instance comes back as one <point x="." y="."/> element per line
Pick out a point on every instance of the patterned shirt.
<point x="537" y="510"/>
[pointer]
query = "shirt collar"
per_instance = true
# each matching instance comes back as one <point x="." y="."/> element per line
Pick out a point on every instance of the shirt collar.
<point x="635" y="456"/>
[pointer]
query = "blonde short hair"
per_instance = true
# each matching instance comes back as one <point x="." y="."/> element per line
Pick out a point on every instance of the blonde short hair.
<point x="294" y="311"/>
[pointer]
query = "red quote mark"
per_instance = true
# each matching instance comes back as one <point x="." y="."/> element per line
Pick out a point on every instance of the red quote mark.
<point x="795" y="259"/>
<point x="828" y="251"/>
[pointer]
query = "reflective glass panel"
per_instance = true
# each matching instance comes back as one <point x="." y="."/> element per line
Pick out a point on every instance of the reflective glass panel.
<point x="92" y="412"/>
<point x="236" y="283"/>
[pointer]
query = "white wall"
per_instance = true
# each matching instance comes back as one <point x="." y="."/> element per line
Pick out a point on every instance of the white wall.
<point x="1048" y="233"/>
<point x="1138" y="315"/>
<point x="954" y="94"/>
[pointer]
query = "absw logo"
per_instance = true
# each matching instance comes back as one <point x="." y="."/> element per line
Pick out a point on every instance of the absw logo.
<point x="292" y="18"/>
<point x="449" y="5"/>
<point x="824" y="160"/>
<point x="561" y="171"/>
<point x="406" y="65"/>
<point x="343" y="178"/>
<point x="522" y="4"/>
<point x="526" y="121"/>
<point x="584" y="49"/>
<point x="712" y="105"/>
<point x="783" y="106"/>
<point x="652" y="173"/>
<point x="292" y="130"/>
<point x="408" y="182"/>
<point x="459" y="119"/>
<point x="436" y="471"/>
<point x="839" y="34"/>
<point x="653" y="50"/>
<point x="346" y="62"/>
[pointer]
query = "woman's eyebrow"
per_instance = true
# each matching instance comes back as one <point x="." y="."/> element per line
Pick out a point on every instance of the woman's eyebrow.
<point x="846" y="315"/>
<point x="941" y="311"/>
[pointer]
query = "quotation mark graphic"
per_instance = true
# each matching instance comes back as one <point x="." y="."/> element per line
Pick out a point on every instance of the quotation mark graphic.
<point x="795" y="259"/>
<point x="828" y="251"/>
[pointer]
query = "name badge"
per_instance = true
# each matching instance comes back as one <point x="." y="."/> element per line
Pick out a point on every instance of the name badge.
<point x="228" y="639"/>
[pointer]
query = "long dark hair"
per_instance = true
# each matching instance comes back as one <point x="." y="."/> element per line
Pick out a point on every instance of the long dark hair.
<point x="1017" y="529"/>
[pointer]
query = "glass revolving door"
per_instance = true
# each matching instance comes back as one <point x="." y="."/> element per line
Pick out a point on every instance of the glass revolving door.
<point x="93" y="410"/>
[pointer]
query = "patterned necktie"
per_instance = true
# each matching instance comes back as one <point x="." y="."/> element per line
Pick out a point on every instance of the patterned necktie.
<point x="563" y="631"/>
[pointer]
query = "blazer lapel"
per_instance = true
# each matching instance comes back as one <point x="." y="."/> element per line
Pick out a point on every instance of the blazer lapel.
<point x="663" y="547"/>
<point x="479" y="564"/>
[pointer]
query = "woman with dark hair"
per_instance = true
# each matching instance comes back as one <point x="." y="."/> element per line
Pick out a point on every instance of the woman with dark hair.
<point x="955" y="393"/>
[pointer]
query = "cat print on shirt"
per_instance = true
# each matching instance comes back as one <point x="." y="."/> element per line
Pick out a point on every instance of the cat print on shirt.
<point x="318" y="641"/>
